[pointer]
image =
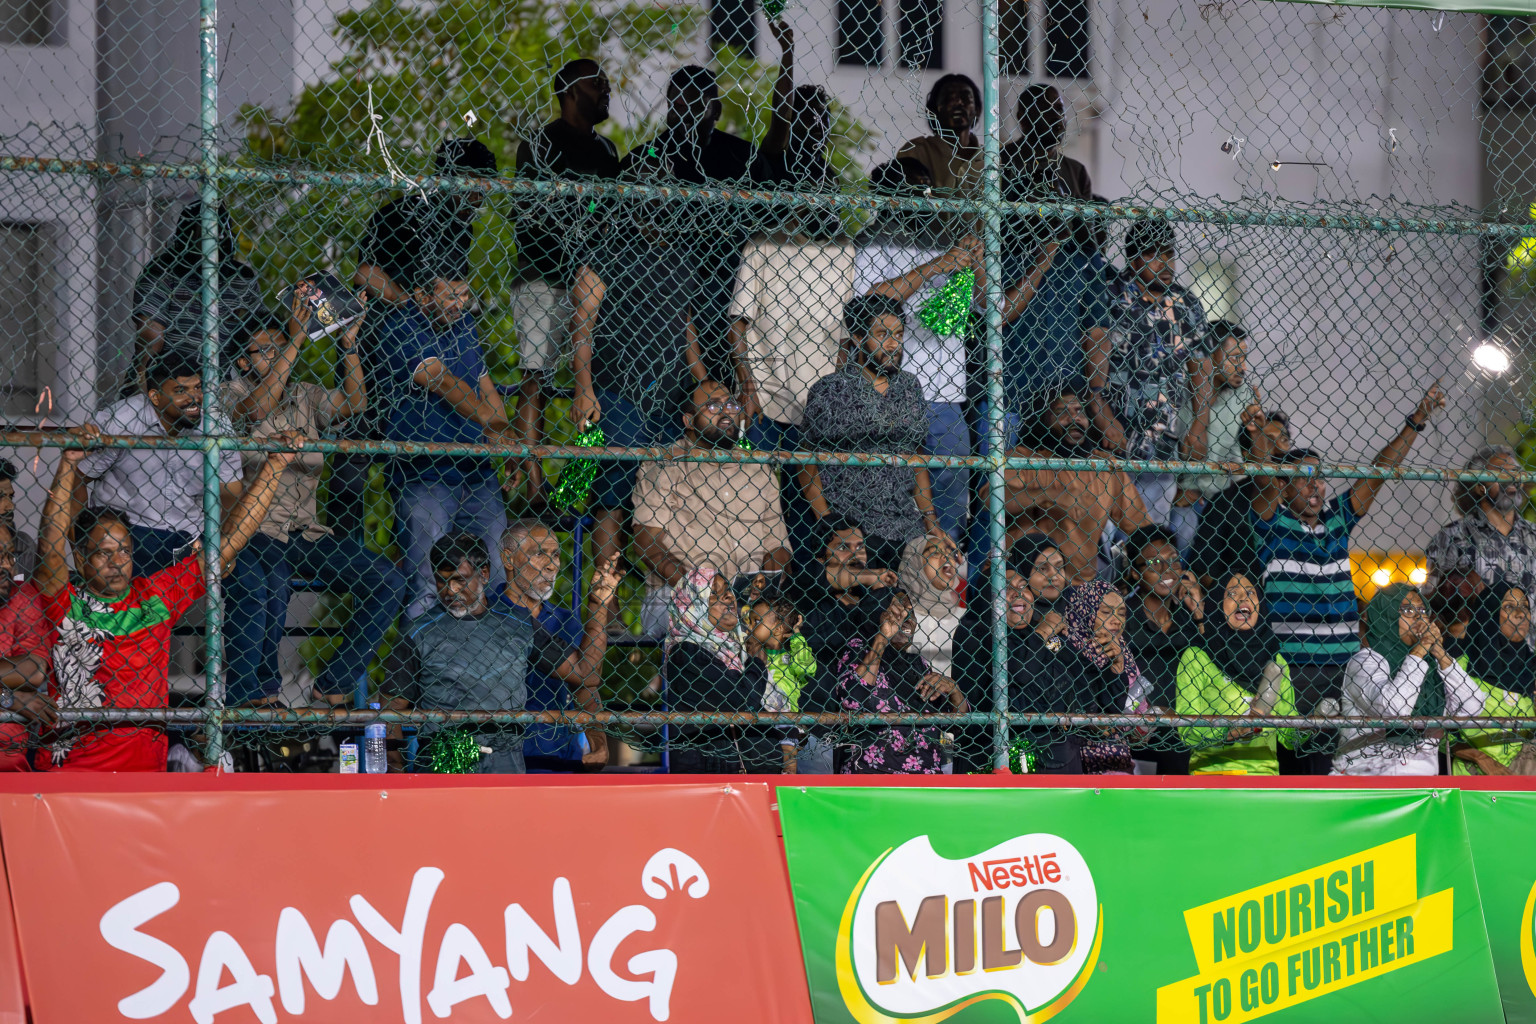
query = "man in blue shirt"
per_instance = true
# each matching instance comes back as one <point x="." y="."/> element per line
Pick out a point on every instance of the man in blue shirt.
<point x="439" y="391"/>
<point x="567" y="656"/>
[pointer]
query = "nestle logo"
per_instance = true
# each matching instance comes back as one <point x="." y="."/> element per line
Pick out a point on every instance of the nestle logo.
<point x="1014" y="872"/>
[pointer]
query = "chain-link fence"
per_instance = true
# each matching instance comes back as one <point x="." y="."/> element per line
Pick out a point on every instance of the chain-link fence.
<point x="876" y="387"/>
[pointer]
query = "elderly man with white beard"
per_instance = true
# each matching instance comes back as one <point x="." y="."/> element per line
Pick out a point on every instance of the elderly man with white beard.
<point x="567" y="656"/>
<point x="1491" y="538"/>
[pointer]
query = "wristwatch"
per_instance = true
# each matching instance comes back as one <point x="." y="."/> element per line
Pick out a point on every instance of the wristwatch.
<point x="7" y="698"/>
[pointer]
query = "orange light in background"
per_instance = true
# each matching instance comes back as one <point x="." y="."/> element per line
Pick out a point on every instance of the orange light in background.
<point x="1373" y="570"/>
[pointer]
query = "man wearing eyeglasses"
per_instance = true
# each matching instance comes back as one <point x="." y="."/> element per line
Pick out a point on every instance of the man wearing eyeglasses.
<point x="724" y="513"/>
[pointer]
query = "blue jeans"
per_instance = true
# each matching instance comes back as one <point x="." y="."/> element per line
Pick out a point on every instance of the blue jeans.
<point x="425" y="512"/>
<point x="646" y="425"/>
<point x="154" y="550"/>
<point x="772" y="436"/>
<point x="257" y="610"/>
<point x="949" y="434"/>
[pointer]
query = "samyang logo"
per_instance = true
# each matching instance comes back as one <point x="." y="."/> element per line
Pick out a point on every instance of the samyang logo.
<point x="923" y="937"/>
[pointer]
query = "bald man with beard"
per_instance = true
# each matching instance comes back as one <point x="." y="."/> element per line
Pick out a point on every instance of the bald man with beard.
<point x="1069" y="506"/>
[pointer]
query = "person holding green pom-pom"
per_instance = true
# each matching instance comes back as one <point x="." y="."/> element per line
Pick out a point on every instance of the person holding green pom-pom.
<point x="466" y="654"/>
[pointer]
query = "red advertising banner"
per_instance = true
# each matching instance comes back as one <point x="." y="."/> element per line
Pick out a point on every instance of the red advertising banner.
<point x="371" y="904"/>
<point x="13" y="1005"/>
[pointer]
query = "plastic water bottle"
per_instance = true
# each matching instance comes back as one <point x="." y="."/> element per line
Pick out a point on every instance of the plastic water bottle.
<point x="375" y="756"/>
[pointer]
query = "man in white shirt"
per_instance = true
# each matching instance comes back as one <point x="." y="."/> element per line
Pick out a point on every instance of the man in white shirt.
<point x="160" y="491"/>
<point x="786" y="329"/>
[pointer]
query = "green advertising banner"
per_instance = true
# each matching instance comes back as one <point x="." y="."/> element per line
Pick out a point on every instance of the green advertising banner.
<point x="1123" y="906"/>
<point x="1502" y="827"/>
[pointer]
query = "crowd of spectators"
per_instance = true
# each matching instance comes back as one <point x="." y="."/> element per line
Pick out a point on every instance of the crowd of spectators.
<point x="846" y="588"/>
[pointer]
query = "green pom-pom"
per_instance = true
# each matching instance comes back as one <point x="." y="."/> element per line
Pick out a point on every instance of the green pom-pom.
<point x="774" y="9"/>
<point x="577" y="477"/>
<point x="948" y="311"/>
<point x="743" y="444"/>
<point x="1023" y="756"/>
<point x="454" y="752"/>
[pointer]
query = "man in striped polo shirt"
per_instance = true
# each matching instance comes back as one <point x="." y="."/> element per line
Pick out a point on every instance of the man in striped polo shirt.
<point x="1302" y="539"/>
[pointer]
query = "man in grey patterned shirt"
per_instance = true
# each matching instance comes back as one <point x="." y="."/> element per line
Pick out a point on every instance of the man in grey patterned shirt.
<point x="872" y="405"/>
<point x="1490" y="539"/>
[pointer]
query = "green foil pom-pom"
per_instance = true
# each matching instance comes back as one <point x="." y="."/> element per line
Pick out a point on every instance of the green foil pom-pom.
<point x="454" y="752"/>
<point x="577" y="477"/>
<point x="948" y="311"/>
<point x="1023" y="756"/>
<point x="774" y="9"/>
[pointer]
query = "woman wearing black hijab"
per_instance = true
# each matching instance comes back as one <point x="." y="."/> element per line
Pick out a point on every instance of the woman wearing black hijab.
<point x="1037" y="680"/>
<point x="1234" y="668"/>
<point x="1166" y="616"/>
<point x="1498" y="657"/>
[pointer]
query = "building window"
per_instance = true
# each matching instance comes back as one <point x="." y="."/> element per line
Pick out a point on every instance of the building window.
<point x="731" y="23"/>
<point x="27" y="23"/>
<point x="920" y="33"/>
<point x="26" y="351"/>
<point x="861" y="32"/>
<point x="1045" y="38"/>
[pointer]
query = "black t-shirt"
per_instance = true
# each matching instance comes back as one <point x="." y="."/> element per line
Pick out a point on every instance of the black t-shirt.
<point x="640" y="342"/>
<point x="723" y="158"/>
<point x="551" y="231"/>
<point x="1224" y="542"/>
<point x="1158" y="653"/>
<point x="411" y="236"/>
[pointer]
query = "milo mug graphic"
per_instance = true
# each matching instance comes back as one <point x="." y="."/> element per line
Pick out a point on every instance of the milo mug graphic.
<point x="923" y="937"/>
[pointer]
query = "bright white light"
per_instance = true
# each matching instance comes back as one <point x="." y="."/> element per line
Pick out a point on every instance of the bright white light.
<point x="1418" y="576"/>
<point x="1381" y="577"/>
<point x="1491" y="358"/>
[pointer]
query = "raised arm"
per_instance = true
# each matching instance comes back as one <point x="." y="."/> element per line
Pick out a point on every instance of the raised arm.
<point x="246" y="517"/>
<point x="1022" y="292"/>
<point x="58" y="513"/>
<point x="1363" y="494"/>
<point x="966" y="253"/>
<point x="776" y="140"/>
<point x="1196" y="442"/>
<point x="263" y="398"/>
<point x="352" y="397"/>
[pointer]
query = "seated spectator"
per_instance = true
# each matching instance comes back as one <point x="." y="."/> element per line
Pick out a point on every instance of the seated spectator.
<point x="549" y="232"/>
<point x="113" y="627"/>
<point x="413" y="228"/>
<point x="879" y="673"/>
<point x="25" y="544"/>
<point x="785" y="335"/>
<point x="159" y="491"/>
<point x="1036" y="558"/>
<point x="466" y="654"/>
<point x="24" y="635"/>
<point x="872" y="405"/>
<point x="168" y="295"/>
<point x="1215" y="437"/>
<point x="441" y="392"/>
<point x="773" y="637"/>
<point x="567" y="659"/>
<point x="708" y="669"/>
<point x="930" y="575"/>
<point x="834" y="593"/>
<point x="1166" y="617"/>
<point x="952" y="153"/>
<point x="1402" y="670"/>
<point x="1491" y="538"/>
<point x="1303" y="545"/>
<point x="1071" y="507"/>
<point x="1500" y="662"/>
<point x="1234" y="668"/>
<point x="1224" y="540"/>
<point x="292" y="542"/>
<point x="1103" y="677"/>
<point x="1037" y="680"/>
<point x="1151" y="352"/>
<point x="724" y="513"/>
<point x="636" y="355"/>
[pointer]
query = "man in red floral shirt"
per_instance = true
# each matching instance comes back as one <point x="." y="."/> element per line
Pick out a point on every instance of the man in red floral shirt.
<point x="113" y="630"/>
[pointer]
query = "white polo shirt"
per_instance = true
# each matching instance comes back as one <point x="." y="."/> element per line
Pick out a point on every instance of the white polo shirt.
<point x="162" y="490"/>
